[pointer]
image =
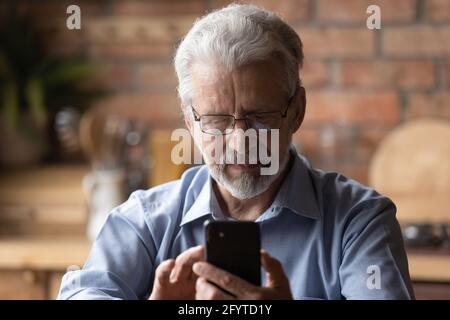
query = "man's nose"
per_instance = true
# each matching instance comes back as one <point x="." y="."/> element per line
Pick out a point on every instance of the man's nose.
<point x="237" y="141"/>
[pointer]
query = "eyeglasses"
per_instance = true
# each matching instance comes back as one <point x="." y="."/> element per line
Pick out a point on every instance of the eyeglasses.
<point x="222" y="124"/>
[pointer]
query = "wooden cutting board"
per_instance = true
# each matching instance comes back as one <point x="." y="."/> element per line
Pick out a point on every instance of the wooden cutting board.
<point x="412" y="167"/>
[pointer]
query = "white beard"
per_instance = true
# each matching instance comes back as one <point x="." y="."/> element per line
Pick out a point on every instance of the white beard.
<point x="247" y="185"/>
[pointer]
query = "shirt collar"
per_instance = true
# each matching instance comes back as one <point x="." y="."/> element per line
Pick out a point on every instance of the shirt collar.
<point x="204" y="204"/>
<point x="296" y="193"/>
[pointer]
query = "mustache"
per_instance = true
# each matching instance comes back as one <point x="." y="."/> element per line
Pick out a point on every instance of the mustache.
<point x="255" y="155"/>
<point x="238" y="158"/>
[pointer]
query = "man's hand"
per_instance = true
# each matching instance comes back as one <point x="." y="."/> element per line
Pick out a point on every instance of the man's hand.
<point x="277" y="283"/>
<point x="174" y="279"/>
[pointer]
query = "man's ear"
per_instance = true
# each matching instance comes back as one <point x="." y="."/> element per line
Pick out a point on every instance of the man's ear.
<point x="299" y="106"/>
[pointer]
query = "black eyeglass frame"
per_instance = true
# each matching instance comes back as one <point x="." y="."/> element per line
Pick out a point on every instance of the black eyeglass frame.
<point x="197" y="116"/>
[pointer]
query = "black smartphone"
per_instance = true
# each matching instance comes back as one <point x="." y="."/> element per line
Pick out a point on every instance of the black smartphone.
<point x="234" y="246"/>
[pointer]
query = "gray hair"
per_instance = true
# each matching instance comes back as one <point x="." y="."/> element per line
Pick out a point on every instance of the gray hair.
<point x="237" y="35"/>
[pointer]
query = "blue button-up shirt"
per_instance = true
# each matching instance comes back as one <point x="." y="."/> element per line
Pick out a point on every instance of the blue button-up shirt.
<point x="335" y="238"/>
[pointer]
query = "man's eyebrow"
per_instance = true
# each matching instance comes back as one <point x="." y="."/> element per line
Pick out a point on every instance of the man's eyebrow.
<point x="253" y="108"/>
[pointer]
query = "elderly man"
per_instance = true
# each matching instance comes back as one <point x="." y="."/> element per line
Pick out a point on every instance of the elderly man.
<point x="324" y="236"/>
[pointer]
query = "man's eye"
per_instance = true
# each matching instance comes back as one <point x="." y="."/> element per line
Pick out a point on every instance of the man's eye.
<point x="260" y="116"/>
<point x="212" y="121"/>
<point x="266" y="118"/>
<point x="216" y="123"/>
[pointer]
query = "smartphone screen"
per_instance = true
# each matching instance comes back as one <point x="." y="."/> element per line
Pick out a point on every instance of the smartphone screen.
<point x="234" y="246"/>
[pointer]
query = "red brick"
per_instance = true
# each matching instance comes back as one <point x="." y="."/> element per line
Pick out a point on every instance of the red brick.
<point x="337" y="141"/>
<point x="416" y="41"/>
<point x="314" y="74"/>
<point x="135" y="38"/>
<point x="429" y="105"/>
<point x="348" y="166"/>
<point x="65" y="49"/>
<point x="52" y="9"/>
<point x="315" y="144"/>
<point x="348" y="161"/>
<point x="114" y="76"/>
<point x="131" y="51"/>
<point x="160" y="7"/>
<point x="437" y="10"/>
<point x="447" y="74"/>
<point x="381" y="108"/>
<point x="137" y="29"/>
<point x="368" y="140"/>
<point x="337" y="42"/>
<point x="157" y="108"/>
<point x="157" y="76"/>
<point x="57" y="38"/>
<point x="355" y="10"/>
<point x="386" y="74"/>
<point x="306" y="140"/>
<point x="355" y="171"/>
<point x="290" y="10"/>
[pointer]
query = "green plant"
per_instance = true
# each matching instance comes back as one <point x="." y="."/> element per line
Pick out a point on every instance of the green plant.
<point x="34" y="84"/>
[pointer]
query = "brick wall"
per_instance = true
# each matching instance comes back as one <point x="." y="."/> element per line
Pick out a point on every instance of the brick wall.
<point x="360" y="83"/>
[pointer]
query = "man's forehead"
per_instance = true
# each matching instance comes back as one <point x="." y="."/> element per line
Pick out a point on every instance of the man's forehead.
<point x="208" y="72"/>
<point x="258" y="83"/>
<point x="217" y="72"/>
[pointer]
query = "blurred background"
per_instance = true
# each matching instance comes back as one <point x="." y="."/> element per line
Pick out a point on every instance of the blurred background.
<point x="86" y="118"/>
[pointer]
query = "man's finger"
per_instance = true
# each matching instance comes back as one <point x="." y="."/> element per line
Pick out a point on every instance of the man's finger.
<point x="223" y="279"/>
<point x="207" y="291"/>
<point x="276" y="276"/>
<point x="183" y="263"/>
<point x="163" y="271"/>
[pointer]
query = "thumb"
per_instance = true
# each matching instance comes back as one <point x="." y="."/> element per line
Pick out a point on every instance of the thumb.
<point x="275" y="273"/>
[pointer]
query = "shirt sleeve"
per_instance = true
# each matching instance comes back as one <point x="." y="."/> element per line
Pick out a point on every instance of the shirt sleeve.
<point x="121" y="262"/>
<point x="374" y="263"/>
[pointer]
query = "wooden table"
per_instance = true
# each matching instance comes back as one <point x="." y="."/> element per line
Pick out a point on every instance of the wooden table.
<point x="32" y="268"/>
<point x="429" y="264"/>
<point x="430" y="272"/>
<point x="39" y="207"/>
